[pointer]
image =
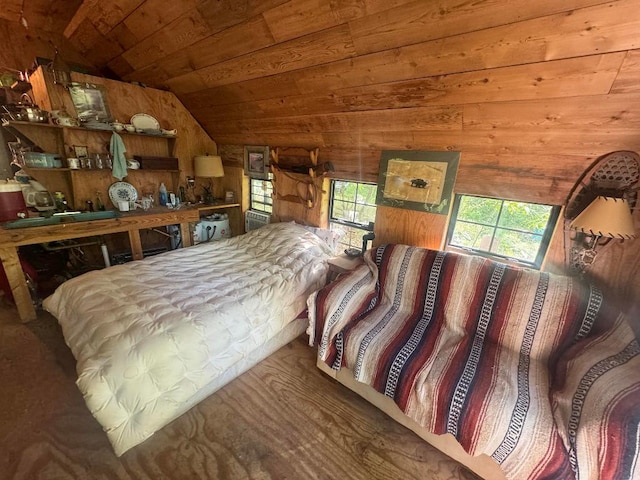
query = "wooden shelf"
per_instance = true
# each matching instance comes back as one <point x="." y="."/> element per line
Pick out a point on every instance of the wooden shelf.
<point x="76" y="185"/>
<point x="12" y="123"/>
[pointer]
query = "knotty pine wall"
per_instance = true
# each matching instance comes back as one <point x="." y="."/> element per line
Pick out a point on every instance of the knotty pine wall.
<point x="530" y="94"/>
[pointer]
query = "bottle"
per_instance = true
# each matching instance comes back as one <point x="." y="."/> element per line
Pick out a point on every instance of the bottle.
<point x="99" y="203"/>
<point x="162" y="197"/>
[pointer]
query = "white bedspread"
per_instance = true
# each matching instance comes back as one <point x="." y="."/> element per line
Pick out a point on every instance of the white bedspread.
<point x="149" y="335"/>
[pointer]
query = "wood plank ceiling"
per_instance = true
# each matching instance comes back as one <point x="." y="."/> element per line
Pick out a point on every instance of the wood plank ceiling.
<point x="530" y="92"/>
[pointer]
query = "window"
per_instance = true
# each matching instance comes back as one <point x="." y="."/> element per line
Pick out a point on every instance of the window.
<point x="502" y="229"/>
<point x="260" y="192"/>
<point x="352" y="208"/>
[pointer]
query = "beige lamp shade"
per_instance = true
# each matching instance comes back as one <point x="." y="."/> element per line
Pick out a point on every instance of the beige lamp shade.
<point x="606" y="217"/>
<point x="208" y="166"/>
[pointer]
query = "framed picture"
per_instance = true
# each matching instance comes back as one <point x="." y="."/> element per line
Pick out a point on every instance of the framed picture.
<point x="90" y="102"/>
<point x="256" y="161"/>
<point x="418" y="180"/>
<point x="80" y="151"/>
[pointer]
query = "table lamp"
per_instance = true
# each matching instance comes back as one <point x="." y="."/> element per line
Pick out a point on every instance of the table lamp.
<point x="208" y="166"/>
<point x="607" y="217"/>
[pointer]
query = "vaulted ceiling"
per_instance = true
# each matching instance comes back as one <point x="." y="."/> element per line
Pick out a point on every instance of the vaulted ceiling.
<point x="509" y="79"/>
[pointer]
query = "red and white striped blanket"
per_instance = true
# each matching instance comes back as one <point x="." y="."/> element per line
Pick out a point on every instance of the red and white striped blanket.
<point x="533" y="369"/>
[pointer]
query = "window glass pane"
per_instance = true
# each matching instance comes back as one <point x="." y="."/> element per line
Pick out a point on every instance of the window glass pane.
<point x="343" y="210"/>
<point x="351" y="236"/>
<point x="523" y="246"/>
<point x="471" y="235"/>
<point x="367" y="193"/>
<point x="352" y="202"/>
<point x="502" y="229"/>
<point x="529" y="217"/>
<point x="260" y="194"/>
<point x="366" y="214"/>
<point x="479" y="210"/>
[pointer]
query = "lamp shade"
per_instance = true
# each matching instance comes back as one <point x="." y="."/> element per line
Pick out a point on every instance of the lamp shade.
<point x="606" y="217"/>
<point x="208" y="166"/>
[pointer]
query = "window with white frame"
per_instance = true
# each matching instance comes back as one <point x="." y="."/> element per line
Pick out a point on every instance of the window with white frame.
<point x="260" y="192"/>
<point x="504" y="230"/>
<point x="352" y="209"/>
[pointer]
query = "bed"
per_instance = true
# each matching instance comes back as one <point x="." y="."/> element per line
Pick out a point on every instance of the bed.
<point x="154" y="337"/>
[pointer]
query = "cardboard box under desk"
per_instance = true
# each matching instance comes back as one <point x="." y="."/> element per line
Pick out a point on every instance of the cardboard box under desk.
<point x="157" y="163"/>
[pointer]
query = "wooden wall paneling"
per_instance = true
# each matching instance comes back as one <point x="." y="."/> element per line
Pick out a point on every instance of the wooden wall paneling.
<point x="103" y="16"/>
<point x="44" y="15"/>
<point x="415" y="119"/>
<point x="570" y="113"/>
<point x="285" y="140"/>
<point x="11" y="10"/>
<point x="181" y="33"/>
<point x="86" y="36"/>
<point x="324" y="47"/>
<point x="409" y="227"/>
<point x="237" y="40"/>
<point x="592" y="75"/>
<point x="300" y="17"/>
<point x="154" y="15"/>
<point x="627" y="79"/>
<point x="418" y="22"/>
<point x="21" y="46"/>
<point x="232" y="155"/>
<point x="259" y="89"/>
<point x="523" y="42"/>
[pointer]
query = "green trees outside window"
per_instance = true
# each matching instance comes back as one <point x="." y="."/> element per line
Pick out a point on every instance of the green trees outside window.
<point x="503" y="229"/>
<point x="352" y="207"/>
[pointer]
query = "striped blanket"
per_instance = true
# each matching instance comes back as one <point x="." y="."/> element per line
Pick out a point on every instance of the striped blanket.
<point x="533" y="369"/>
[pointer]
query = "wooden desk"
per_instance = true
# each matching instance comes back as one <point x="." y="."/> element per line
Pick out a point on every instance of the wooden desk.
<point x="131" y="222"/>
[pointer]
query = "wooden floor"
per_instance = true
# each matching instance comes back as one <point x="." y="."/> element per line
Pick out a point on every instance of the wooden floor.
<point x="283" y="419"/>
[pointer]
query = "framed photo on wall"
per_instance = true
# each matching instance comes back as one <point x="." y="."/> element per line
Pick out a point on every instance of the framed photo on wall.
<point x="90" y="102"/>
<point x="256" y="161"/>
<point x="418" y="180"/>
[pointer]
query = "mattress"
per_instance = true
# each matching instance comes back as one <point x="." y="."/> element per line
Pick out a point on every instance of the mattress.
<point x="152" y="336"/>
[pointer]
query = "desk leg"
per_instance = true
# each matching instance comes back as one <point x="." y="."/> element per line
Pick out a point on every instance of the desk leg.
<point x="18" y="283"/>
<point x="185" y="233"/>
<point x="136" y="245"/>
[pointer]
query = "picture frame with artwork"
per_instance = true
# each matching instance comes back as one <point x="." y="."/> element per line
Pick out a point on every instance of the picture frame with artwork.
<point x="256" y="161"/>
<point x="90" y="102"/>
<point x="80" y="151"/>
<point x="417" y="180"/>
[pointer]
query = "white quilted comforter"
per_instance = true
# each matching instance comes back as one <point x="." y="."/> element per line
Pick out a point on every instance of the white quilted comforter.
<point x="149" y="335"/>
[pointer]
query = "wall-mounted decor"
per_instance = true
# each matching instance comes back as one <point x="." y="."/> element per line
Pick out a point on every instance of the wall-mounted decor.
<point x="256" y="161"/>
<point x="598" y="207"/>
<point x="90" y="102"/>
<point x="80" y="151"/>
<point x="418" y="180"/>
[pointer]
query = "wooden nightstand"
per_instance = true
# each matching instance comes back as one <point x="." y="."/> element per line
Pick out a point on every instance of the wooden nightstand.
<point x="342" y="264"/>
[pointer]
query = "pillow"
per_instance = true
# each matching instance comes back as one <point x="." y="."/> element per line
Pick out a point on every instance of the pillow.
<point x="330" y="237"/>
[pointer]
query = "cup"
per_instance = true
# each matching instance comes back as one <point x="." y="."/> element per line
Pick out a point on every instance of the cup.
<point x="146" y="203"/>
<point x="123" y="205"/>
<point x="73" y="163"/>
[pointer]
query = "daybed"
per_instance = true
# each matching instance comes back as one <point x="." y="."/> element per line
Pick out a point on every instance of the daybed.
<point x="154" y="337"/>
<point x="533" y="375"/>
